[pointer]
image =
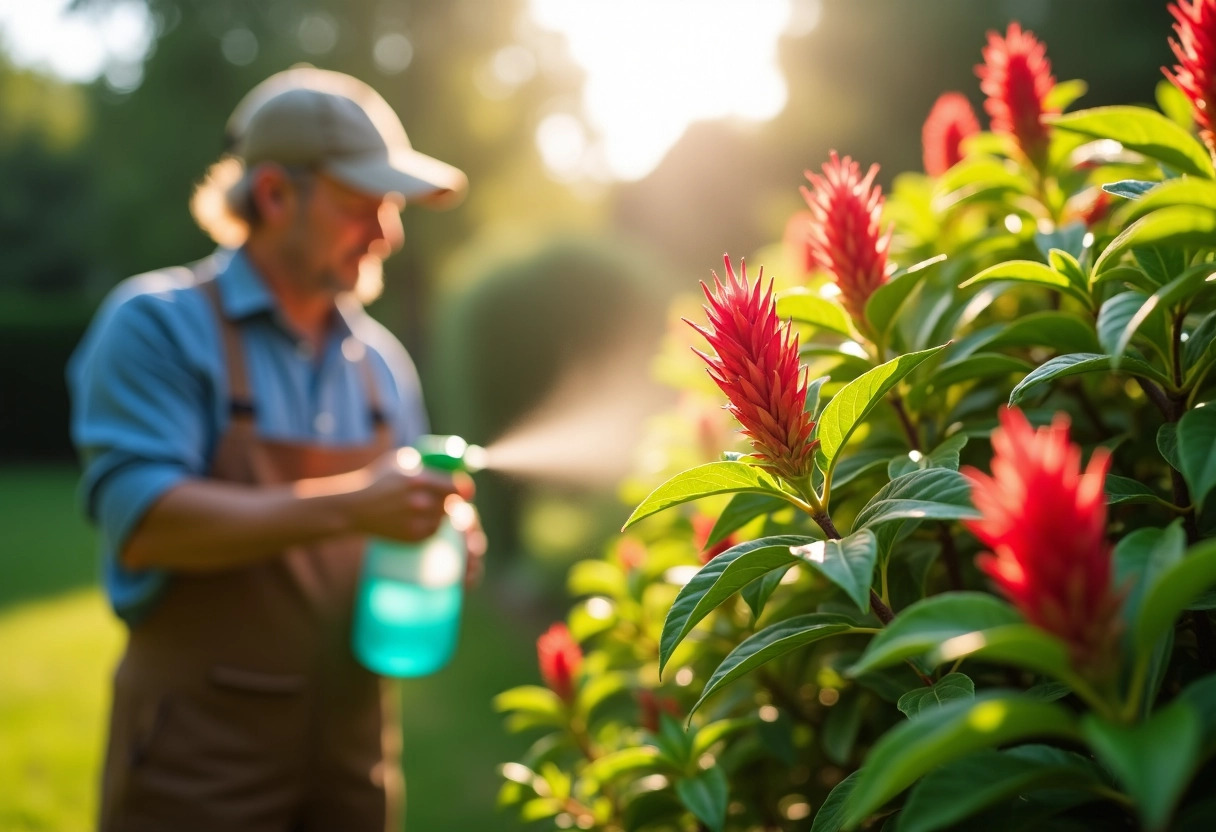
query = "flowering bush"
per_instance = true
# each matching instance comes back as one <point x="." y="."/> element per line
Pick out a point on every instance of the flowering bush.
<point x="962" y="576"/>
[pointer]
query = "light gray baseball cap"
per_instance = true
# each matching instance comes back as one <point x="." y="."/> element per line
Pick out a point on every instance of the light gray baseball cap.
<point x="344" y="128"/>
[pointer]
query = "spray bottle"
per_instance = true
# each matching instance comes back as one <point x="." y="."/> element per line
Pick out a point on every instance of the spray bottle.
<point x="407" y="610"/>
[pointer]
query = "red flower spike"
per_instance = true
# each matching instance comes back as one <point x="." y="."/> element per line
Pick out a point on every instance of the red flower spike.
<point x="1016" y="77"/>
<point x="1195" y="72"/>
<point x="651" y="706"/>
<point x="845" y="238"/>
<point x="950" y="121"/>
<point x="1045" y="523"/>
<point x="702" y="526"/>
<point x="756" y="366"/>
<point x="560" y="658"/>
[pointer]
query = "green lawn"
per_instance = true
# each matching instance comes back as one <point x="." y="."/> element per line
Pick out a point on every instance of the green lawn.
<point x="58" y="644"/>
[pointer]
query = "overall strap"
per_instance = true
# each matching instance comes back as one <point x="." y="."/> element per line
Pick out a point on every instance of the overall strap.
<point x="240" y="399"/>
<point x="380" y="424"/>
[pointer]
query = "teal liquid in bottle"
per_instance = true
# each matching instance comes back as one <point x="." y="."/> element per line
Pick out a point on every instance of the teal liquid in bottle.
<point x="407" y="610"/>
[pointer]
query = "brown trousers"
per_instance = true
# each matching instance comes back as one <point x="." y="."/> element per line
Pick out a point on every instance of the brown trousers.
<point x="238" y="705"/>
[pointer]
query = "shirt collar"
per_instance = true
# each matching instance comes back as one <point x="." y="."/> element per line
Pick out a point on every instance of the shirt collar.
<point x="244" y="294"/>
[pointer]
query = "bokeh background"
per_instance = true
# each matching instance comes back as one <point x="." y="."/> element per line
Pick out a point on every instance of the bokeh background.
<point x="616" y="149"/>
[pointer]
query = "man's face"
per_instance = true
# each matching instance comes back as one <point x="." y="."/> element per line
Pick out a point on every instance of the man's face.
<point x="340" y="233"/>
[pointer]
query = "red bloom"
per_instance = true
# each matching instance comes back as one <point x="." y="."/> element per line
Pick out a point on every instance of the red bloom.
<point x="560" y="658"/>
<point x="652" y="706"/>
<point x="757" y="367"/>
<point x="702" y="525"/>
<point x="1096" y="209"/>
<point x="845" y="237"/>
<point x="950" y="121"/>
<point x="1045" y="523"/>
<point x="1016" y="77"/>
<point x="631" y="552"/>
<point x="1195" y="72"/>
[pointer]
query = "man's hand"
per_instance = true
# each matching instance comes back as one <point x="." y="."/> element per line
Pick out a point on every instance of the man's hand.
<point x="401" y="500"/>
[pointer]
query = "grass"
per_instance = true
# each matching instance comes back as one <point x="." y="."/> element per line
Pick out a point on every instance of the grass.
<point x="59" y="643"/>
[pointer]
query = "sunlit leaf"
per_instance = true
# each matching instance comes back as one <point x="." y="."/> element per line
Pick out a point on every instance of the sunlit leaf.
<point x="1144" y="131"/>
<point x="848" y="563"/>
<point x="770" y="643"/>
<point x="946" y="689"/>
<point x="1061" y="331"/>
<point x="817" y="311"/>
<point x="706" y="795"/>
<point x="719" y="579"/>
<point x="886" y="300"/>
<point x="830" y="817"/>
<point x="1028" y="271"/>
<point x="608" y="767"/>
<point x="1199" y="193"/>
<point x="1178" y="226"/>
<point x="1129" y="188"/>
<point x="933" y="493"/>
<point x="742" y="509"/>
<point x="850" y="405"/>
<point x="705" y="481"/>
<point x="1078" y="363"/>
<point x="939" y="735"/>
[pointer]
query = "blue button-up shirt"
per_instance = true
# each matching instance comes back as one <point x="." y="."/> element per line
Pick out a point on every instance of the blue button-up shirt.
<point x="149" y="392"/>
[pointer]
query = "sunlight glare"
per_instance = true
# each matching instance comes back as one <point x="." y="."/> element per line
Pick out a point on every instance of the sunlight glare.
<point x="653" y="68"/>
<point x="76" y="46"/>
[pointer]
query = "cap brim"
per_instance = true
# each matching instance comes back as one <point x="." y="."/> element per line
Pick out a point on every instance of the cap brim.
<point x="415" y="176"/>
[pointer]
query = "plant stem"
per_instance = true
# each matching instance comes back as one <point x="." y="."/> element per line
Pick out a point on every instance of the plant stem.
<point x="1157" y="397"/>
<point x="954" y="569"/>
<point x="876" y="603"/>
<point x="1205" y="639"/>
<point x="905" y="421"/>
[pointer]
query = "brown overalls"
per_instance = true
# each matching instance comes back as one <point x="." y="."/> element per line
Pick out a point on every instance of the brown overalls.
<point x="238" y="704"/>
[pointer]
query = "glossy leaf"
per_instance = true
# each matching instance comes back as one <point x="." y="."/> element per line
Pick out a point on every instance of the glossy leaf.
<point x="960" y="789"/>
<point x="705" y="481"/>
<point x="1201" y="694"/>
<point x="1167" y="444"/>
<point x="770" y="643"/>
<point x="1028" y="271"/>
<point x="706" y="795"/>
<point x="1121" y="490"/>
<point x="1020" y="645"/>
<point x="979" y="365"/>
<point x="1078" y="363"/>
<point x="1197" y="451"/>
<point x="945" y="455"/>
<point x="1063" y="94"/>
<point x="718" y="580"/>
<point x="757" y="593"/>
<point x="1144" y="131"/>
<point x="1199" y="193"/>
<point x="1117" y="322"/>
<point x="940" y="735"/>
<point x="1177" y="227"/>
<point x="1140" y="558"/>
<point x="848" y="563"/>
<point x="532" y="699"/>
<point x="830" y="817"/>
<point x="1199" y="344"/>
<point x="950" y="687"/>
<point x="1129" y="188"/>
<point x="887" y="299"/>
<point x="1058" y="330"/>
<point x="817" y="311"/>
<point x="928" y="623"/>
<point x="1173" y="592"/>
<point x="850" y="405"/>
<point x="614" y="764"/>
<point x="1154" y="760"/>
<point x="1065" y="262"/>
<point x="931" y="494"/>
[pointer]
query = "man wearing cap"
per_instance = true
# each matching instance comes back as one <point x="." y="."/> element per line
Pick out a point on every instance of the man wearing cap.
<point x="239" y="421"/>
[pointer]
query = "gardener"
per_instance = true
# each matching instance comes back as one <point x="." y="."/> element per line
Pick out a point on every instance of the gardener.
<point x="239" y="422"/>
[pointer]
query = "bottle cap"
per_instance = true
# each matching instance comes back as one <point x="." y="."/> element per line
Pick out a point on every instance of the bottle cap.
<point x="449" y="453"/>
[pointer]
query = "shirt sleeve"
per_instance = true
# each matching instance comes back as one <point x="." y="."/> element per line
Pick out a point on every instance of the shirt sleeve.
<point x="141" y="403"/>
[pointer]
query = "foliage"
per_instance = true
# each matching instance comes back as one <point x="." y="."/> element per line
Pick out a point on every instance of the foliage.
<point x="841" y="662"/>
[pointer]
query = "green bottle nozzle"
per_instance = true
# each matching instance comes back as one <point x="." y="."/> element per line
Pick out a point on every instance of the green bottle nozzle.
<point x="450" y="453"/>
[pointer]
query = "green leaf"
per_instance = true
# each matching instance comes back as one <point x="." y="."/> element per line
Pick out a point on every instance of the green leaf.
<point x="742" y="509"/>
<point x="1064" y="94"/>
<point x="1197" y="451"/>
<point x="596" y="577"/>
<point x="1065" y="261"/>
<point x="946" y="689"/>
<point x="706" y="795"/>
<point x="1201" y="694"/>
<point x="1129" y="188"/>
<point x="1119" y="318"/>
<point x="771" y="642"/>
<point x="718" y="580"/>
<point x="1121" y="490"/>
<point x="1173" y="592"/>
<point x="705" y="481"/>
<point x="757" y="593"/>
<point x="529" y="699"/>
<point x="598" y="688"/>
<point x="809" y="308"/>
<point x="925" y="625"/>
<point x="1144" y="131"/>
<point x="864" y="460"/>
<point x="939" y="735"/>
<point x="930" y="494"/>
<point x="830" y="817"/>
<point x="979" y="365"/>
<point x="1028" y="271"/>
<point x="848" y="563"/>
<point x="850" y="405"/>
<point x="614" y="764"/>
<point x="1077" y="363"/>
<point x="887" y="299"/>
<point x="1187" y="190"/>
<point x="1181" y="226"/>
<point x="960" y="789"/>
<point x="1174" y="103"/>
<point x="840" y="729"/>
<point x="945" y="455"/>
<point x="1154" y="760"/>
<point x="1061" y="331"/>
<point x="1020" y="645"/>
<point x="1167" y="444"/>
<point x="1201" y="340"/>
<point x="1140" y="558"/>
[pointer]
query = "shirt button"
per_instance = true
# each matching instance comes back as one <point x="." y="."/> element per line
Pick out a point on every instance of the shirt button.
<point x="324" y="423"/>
